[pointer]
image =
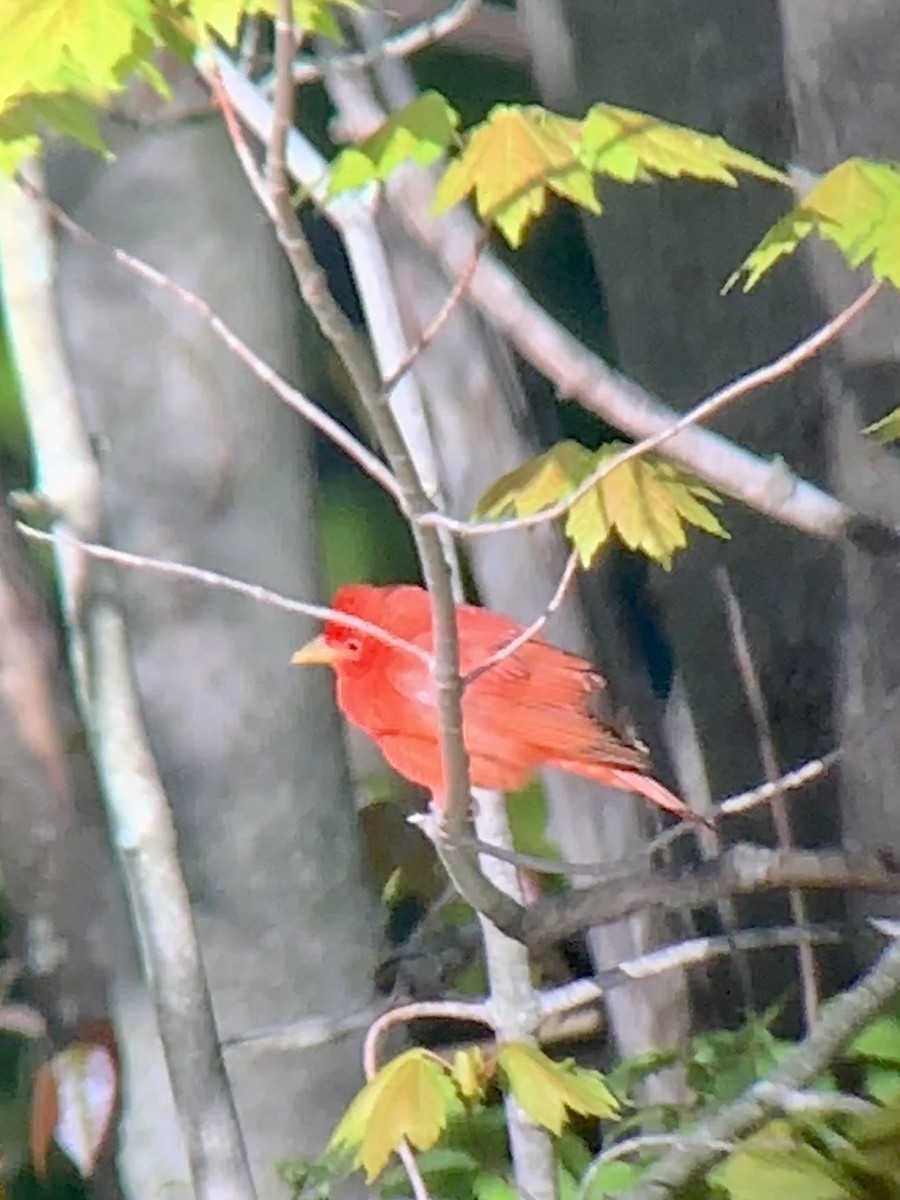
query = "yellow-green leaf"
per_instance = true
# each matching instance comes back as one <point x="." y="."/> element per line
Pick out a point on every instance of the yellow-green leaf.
<point x="546" y="1089"/>
<point x="887" y="430"/>
<point x="538" y="483"/>
<point x="510" y="161"/>
<point x="223" y="17"/>
<point x="648" y="502"/>
<point x="775" y="1162"/>
<point x="632" y="146"/>
<point x="419" y="133"/>
<point x="411" y="1098"/>
<point x="470" y="1072"/>
<point x="856" y="207"/>
<point x="52" y="45"/>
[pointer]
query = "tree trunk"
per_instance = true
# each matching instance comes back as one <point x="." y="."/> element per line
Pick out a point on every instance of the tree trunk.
<point x="842" y="67"/>
<point x="202" y="465"/>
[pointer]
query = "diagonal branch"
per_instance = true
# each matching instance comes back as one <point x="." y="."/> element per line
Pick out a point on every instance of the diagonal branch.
<point x="709" y="1143"/>
<point x="741" y="870"/>
<point x="402" y="45"/>
<point x="225" y="583"/>
<point x="712" y="405"/>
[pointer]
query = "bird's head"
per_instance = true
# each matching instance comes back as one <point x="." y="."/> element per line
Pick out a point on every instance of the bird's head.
<point x="348" y="650"/>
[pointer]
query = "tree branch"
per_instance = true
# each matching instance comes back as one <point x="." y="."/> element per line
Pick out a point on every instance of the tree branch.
<point x="138" y="810"/>
<point x="402" y="45"/>
<point x="742" y="870"/>
<point x="840" y="1020"/>
<point x="705" y="409"/>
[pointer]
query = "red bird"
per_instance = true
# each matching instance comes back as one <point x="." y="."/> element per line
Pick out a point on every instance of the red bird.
<point x="540" y="707"/>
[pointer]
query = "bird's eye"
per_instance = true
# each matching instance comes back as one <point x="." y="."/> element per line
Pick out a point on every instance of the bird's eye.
<point x="353" y="646"/>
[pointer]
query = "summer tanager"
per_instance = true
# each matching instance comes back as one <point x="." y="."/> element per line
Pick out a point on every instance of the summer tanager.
<point x="540" y="707"/>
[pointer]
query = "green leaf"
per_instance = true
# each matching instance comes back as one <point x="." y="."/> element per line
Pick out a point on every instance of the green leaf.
<point x="545" y="1089"/>
<point x="611" y="1178"/>
<point x="631" y="147"/>
<point x="223" y="17"/>
<point x="487" y="1186"/>
<point x="887" y="430"/>
<point x="410" y="1098"/>
<point x="879" y="1040"/>
<point x="67" y="114"/>
<point x="775" y="1162"/>
<point x="419" y="133"/>
<point x="510" y="161"/>
<point x="647" y="501"/>
<point x="55" y="45"/>
<point x="856" y="207"/>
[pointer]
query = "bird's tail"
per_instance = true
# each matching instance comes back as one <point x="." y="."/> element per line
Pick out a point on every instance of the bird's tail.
<point x="628" y="780"/>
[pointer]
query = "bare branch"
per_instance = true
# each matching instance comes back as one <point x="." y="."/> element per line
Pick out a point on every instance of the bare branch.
<point x="224" y="583"/>
<point x="430" y="332"/>
<point x="757" y="704"/>
<point x="402" y="45"/>
<point x="674" y="958"/>
<point x="840" y="1020"/>
<point x="421" y="1010"/>
<point x="709" y="407"/>
<point x="137" y="805"/>
<point x="741" y="870"/>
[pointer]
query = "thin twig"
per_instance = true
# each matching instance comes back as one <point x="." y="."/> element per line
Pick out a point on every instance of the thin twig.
<point x="757" y="704"/>
<point x="703" y="411"/>
<point x="422" y="1010"/>
<point x="225" y="583"/>
<point x="251" y="169"/>
<point x="293" y="397"/>
<point x="410" y="41"/>
<point x="673" y="958"/>
<point x="531" y="630"/>
<point x="430" y="332"/>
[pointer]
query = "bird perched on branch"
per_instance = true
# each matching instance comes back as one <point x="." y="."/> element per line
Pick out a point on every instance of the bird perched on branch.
<point x="537" y="707"/>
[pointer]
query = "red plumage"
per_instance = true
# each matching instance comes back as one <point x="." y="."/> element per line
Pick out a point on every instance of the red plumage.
<point x="540" y="707"/>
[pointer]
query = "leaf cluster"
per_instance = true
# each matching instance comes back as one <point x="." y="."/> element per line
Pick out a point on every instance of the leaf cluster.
<point x="417" y="1095"/>
<point x="648" y="502"/>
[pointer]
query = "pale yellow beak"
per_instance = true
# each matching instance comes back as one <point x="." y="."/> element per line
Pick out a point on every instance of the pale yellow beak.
<point x="316" y="653"/>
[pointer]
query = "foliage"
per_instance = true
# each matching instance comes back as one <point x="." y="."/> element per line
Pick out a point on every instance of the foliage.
<point x="520" y="153"/>
<point x="887" y="430"/>
<point x="417" y="1094"/>
<point x="856" y="207"/>
<point x="648" y="502"/>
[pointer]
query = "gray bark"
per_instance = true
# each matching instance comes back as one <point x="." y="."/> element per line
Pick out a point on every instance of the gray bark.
<point x="202" y="465"/>
<point x="662" y="254"/>
<point x="842" y="69"/>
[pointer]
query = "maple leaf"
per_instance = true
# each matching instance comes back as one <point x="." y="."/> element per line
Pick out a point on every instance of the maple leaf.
<point x="632" y="146"/>
<point x="856" y="207"/>
<point x="887" y="430"/>
<point x="546" y="1089"/>
<point x="52" y="45"/>
<point x="419" y="133"/>
<point x="510" y="161"/>
<point x="646" y="501"/>
<point x="411" y="1098"/>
